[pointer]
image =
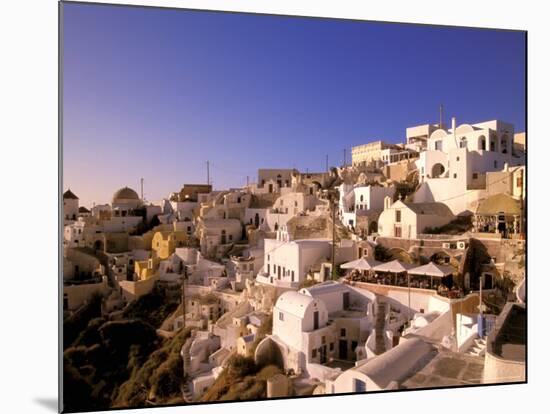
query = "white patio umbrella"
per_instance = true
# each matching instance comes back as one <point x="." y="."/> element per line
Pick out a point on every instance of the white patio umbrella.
<point x="395" y="266"/>
<point x="433" y="270"/>
<point x="364" y="263"/>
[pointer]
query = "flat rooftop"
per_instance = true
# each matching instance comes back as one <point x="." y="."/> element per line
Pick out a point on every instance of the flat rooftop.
<point x="348" y="313"/>
<point x="448" y="369"/>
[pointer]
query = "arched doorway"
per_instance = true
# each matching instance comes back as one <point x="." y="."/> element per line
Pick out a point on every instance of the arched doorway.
<point x="98" y="245"/>
<point x="269" y="353"/>
<point x="438" y="170"/>
<point x="373" y="227"/>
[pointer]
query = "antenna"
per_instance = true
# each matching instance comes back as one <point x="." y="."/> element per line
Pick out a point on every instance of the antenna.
<point x="326" y="163"/>
<point x="440" y="115"/>
<point x="247" y="180"/>
<point x="208" y="172"/>
<point x="344" y="157"/>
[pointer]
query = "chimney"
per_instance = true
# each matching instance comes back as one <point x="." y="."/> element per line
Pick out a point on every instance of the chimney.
<point x="453" y="124"/>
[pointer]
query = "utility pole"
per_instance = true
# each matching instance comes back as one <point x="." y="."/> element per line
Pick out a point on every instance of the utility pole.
<point x="480" y="319"/>
<point x="208" y="172"/>
<point x="409" y="289"/>
<point x="440" y="115"/>
<point x="344" y="157"/>
<point x="183" y="300"/>
<point x="333" y="207"/>
<point x="247" y="180"/>
<point x="326" y="163"/>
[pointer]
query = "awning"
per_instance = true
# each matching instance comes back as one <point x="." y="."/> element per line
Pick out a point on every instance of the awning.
<point x="395" y="266"/>
<point x="364" y="263"/>
<point x="432" y="269"/>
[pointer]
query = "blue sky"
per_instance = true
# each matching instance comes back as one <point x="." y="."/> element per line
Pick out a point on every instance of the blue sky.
<point x="154" y="93"/>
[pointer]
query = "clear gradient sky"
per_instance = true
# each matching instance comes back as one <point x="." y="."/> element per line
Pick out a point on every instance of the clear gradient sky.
<point x="154" y="93"/>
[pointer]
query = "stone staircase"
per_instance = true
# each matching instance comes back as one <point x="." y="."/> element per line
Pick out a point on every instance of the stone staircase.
<point x="380" y="328"/>
<point x="478" y="347"/>
<point x="186" y="392"/>
<point x="186" y="358"/>
<point x="185" y="355"/>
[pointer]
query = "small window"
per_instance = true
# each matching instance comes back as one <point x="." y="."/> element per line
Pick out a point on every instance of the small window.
<point x="495" y="163"/>
<point x="281" y="316"/>
<point x="398" y="216"/>
<point x="343" y="332"/>
<point x="454" y="175"/>
<point x="458" y="158"/>
<point x="331" y="346"/>
<point x="314" y="353"/>
<point x="323" y="339"/>
<point x="474" y="176"/>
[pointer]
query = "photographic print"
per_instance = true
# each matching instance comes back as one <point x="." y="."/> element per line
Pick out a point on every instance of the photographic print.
<point x="265" y="206"/>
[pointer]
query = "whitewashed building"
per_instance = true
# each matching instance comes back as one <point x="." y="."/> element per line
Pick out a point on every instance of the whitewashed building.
<point x="359" y="200"/>
<point x="287" y="263"/>
<point x="288" y="206"/>
<point x="408" y="220"/>
<point x="70" y="206"/>
<point x="73" y="234"/>
<point x="218" y="232"/>
<point x="453" y="167"/>
<point x="317" y="325"/>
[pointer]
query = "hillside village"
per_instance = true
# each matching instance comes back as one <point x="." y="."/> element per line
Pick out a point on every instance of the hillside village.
<point x="404" y="269"/>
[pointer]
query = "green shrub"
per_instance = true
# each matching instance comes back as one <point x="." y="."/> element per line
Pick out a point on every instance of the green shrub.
<point x="267" y="372"/>
<point x="239" y="366"/>
<point x="152" y="308"/>
<point x="74" y="324"/>
<point x="90" y="335"/>
<point x="161" y="372"/>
